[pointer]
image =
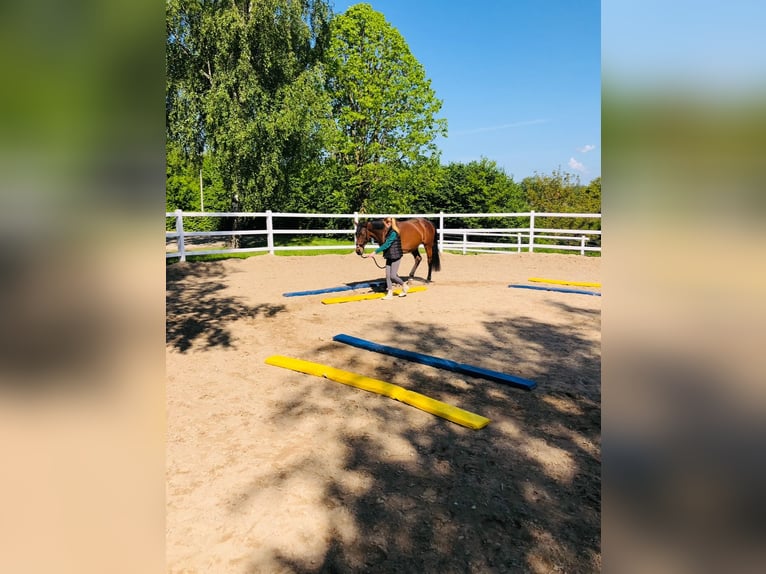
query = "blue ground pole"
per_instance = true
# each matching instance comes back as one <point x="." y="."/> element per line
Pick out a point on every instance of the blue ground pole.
<point x="350" y="287"/>
<point x="559" y="289"/>
<point x="437" y="362"/>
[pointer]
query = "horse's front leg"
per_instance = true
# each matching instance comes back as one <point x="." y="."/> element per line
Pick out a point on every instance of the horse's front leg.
<point x="418" y="259"/>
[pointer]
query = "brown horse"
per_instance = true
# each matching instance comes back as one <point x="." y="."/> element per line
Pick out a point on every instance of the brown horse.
<point x="413" y="232"/>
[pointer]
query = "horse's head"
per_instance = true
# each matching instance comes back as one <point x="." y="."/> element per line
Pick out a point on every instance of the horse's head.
<point x="367" y="230"/>
<point x="362" y="236"/>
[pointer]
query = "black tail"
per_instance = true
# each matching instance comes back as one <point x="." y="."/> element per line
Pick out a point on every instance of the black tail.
<point x="436" y="263"/>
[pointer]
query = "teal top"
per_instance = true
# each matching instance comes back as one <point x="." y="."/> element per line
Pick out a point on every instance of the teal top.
<point x="390" y="238"/>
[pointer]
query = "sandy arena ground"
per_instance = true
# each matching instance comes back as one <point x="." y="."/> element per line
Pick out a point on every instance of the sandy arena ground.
<point x="271" y="471"/>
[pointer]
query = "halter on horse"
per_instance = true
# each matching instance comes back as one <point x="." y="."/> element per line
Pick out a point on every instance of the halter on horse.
<point x="413" y="233"/>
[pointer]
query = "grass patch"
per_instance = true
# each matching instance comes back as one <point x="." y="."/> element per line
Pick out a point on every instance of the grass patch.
<point x="344" y="248"/>
<point x="218" y="257"/>
<point x="565" y="251"/>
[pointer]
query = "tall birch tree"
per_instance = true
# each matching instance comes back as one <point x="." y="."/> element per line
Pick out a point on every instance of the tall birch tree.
<point x="384" y="109"/>
<point x="244" y="85"/>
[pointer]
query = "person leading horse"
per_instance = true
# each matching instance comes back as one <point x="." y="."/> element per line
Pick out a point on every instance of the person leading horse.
<point x="413" y="233"/>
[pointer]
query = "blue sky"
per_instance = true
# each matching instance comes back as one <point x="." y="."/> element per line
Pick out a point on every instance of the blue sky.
<point x="711" y="47"/>
<point x="520" y="80"/>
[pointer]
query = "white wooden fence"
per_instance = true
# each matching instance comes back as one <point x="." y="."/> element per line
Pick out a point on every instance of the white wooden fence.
<point x="462" y="240"/>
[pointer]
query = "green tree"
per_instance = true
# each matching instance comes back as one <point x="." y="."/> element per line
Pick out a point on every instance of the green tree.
<point x="562" y="192"/>
<point x="590" y="197"/>
<point x="191" y="189"/>
<point x="180" y="182"/>
<point x="244" y="86"/>
<point x="475" y="187"/>
<point x="415" y="187"/>
<point x="487" y="189"/>
<point x="589" y="201"/>
<point x="551" y="193"/>
<point x="384" y="108"/>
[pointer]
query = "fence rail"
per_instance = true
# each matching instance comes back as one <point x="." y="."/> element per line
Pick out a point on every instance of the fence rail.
<point x="458" y="239"/>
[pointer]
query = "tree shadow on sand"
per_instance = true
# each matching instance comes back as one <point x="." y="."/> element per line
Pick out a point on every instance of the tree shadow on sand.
<point x="520" y="495"/>
<point x="196" y="308"/>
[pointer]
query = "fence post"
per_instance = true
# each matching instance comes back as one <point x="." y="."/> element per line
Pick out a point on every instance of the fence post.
<point x="180" y="232"/>
<point x="465" y="238"/>
<point x="582" y="245"/>
<point x="269" y="232"/>
<point x="531" y="231"/>
<point x="441" y="231"/>
<point x="518" y="243"/>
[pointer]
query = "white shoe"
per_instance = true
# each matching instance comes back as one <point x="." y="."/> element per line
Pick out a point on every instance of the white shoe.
<point x="404" y="290"/>
<point x="389" y="295"/>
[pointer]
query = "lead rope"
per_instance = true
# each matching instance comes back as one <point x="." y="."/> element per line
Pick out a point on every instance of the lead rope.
<point x="375" y="260"/>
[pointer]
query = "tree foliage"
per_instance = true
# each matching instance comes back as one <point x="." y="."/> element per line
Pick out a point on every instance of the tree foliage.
<point x="191" y="189"/>
<point x="284" y="106"/>
<point x="562" y="192"/>
<point x="476" y="187"/>
<point x="384" y="109"/>
<point x="244" y="85"/>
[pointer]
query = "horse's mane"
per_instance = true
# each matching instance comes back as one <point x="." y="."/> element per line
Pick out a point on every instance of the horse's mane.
<point x="375" y="224"/>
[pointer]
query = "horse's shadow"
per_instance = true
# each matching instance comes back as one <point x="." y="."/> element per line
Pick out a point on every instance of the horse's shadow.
<point x="378" y="284"/>
<point x="365" y="282"/>
<point x="419" y="279"/>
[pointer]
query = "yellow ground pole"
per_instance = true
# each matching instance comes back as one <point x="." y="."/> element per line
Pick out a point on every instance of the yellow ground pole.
<point x="560" y="282"/>
<point x="422" y="402"/>
<point x="367" y="296"/>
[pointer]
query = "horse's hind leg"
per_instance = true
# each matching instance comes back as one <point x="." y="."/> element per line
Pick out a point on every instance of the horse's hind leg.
<point x="418" y="259"/>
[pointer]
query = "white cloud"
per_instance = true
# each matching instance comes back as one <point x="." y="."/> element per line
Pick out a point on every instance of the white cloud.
<point x="499" y="127"/>
<point x="586" y="148"/>
<point x="576" y="165"/>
